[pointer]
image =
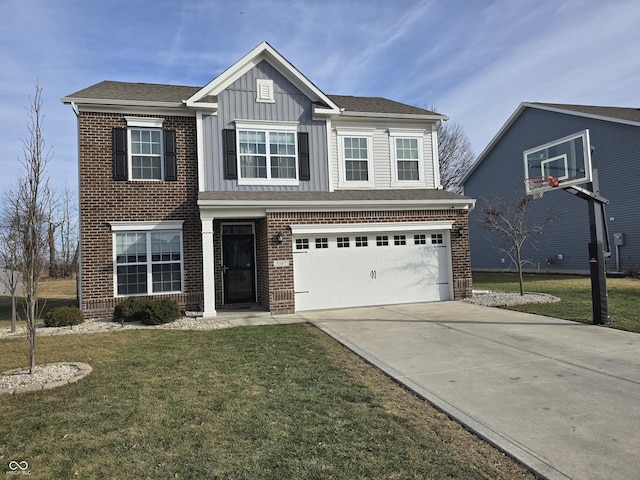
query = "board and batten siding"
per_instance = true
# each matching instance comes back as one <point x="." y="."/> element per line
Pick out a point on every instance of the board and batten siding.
<point x="616" y="156"/>
<point x="238" y="102"/>
<point x="382" y="156"/>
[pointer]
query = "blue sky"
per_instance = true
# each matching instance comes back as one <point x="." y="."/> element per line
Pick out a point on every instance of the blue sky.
<point x="475" y="60"/>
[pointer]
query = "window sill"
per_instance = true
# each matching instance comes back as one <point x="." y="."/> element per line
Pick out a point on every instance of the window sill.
<point x="294" y="182"/>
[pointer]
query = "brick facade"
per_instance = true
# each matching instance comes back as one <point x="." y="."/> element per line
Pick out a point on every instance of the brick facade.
<point x="275" y="284"/>
<point x="104" y="200"/>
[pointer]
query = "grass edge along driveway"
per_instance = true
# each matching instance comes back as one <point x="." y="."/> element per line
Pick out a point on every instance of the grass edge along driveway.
<point x="276" y="402"/>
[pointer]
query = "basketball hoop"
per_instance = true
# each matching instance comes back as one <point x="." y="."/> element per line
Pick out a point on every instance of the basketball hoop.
<point x="537" y="185"/>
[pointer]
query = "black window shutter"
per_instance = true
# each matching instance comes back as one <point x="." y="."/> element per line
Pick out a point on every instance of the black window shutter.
<point x="304" y="168"/>
<point x="120" y="154"/>
<point x="229" y="150"/>
<point x="170" y="156"/>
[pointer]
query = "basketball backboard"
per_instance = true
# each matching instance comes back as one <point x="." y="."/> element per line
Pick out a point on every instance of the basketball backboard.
<point x="567" y="159"/>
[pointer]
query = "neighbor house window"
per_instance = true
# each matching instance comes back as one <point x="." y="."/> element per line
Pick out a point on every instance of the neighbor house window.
<point x="267" y="154"/>
<point x="147" y="262"/>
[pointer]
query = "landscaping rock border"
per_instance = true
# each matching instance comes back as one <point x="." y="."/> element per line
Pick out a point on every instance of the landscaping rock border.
<point x="44" y="377"/>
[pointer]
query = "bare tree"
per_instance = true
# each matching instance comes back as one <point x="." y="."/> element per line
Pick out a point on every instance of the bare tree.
<point x="508" y="218"/>
<point x="67" y="234"/>
<point x="456" y="155"/>
<point x="10" y="253"/>
<point x="31" y="202"/>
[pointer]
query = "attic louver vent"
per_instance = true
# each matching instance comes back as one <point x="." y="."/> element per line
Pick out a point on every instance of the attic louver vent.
<point x="264" y="89"/>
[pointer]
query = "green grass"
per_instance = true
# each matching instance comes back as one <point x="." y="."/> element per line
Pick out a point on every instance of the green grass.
<point x="575" y="296"/>
<point x="279" y="402"/>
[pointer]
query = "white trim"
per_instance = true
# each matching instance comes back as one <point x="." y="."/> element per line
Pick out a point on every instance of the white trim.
<point x="367" y="134"/>
<point x="394" y="136"/>
<point x="118" y="226"/>
<point x="144" y="122"/>
<point x="242" y="124"/>
<point x="149" y="261"/>
<point x="437" y="181"/>
<point x="267" y="127"/>
<point x="130" y="153"/>
<point x="200" y="150"/>
<point x="311" y="229"/>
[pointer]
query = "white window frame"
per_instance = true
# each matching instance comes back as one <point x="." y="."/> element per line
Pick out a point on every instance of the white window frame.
<point x="267" y="128"/>
<point x="146" y="228"/>
<point x="415" y="134"/>
<point x="355" y="133"/>
<point x="144" y="124"/>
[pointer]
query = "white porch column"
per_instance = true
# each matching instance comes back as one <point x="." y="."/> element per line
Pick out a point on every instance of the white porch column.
<point x="208" y="268"/>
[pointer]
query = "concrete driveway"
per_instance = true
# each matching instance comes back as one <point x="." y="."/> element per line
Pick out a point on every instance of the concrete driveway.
<point x="562" y="397"/>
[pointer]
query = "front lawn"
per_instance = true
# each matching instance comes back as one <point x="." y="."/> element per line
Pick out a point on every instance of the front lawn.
<point x="575" y="296"/>
<point x="278" y="402"/>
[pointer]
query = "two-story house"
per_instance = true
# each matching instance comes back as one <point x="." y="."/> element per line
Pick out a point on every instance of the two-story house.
<point x="258" y="189"/>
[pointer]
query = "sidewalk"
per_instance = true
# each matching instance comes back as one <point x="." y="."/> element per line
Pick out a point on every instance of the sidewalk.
<point x="562" y="397"/>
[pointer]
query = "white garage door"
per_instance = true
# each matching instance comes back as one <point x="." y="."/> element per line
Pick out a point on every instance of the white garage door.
<point x="353" y="269"/>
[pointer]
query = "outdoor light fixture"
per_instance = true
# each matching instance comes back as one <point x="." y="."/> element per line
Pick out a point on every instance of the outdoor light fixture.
<point x="279" y="238"/>
<point x="460" y="232"/>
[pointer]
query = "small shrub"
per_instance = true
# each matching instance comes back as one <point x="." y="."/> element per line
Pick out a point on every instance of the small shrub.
<point x="162" y="311"/>
<point x="147" y="311"/>
<point x="131" y="309"/>
<point x="63" y="316"/>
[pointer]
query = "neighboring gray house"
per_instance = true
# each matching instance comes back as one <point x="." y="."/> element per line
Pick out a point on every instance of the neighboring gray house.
<point x="5" y="281"/>
<point x="499" y="172"/>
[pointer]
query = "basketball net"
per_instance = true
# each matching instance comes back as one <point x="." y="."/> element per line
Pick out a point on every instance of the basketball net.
<point x="538" y="184"/>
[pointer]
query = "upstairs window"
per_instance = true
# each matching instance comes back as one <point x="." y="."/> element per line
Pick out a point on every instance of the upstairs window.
<point x="265" y="154"/>
<point x="271" y="154"/>
<point x="145" y="160"/>
<point x="356" y="159"/>
<point x="407" y="159"/>
<point x="144" y="151"/>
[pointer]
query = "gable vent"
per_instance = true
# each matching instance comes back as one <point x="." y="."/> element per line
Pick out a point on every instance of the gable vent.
<point x="264" y="88"/>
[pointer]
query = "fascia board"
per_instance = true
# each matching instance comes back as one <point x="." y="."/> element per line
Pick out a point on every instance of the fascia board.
<point x="582" y="114"/>
<point x="143" y="110"/>
<point x="128" y="103"/>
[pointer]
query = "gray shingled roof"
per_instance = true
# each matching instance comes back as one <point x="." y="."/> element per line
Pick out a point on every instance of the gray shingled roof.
<point x="150" y="92"/>
<point x="336" y="196"/>
<point x="137" y="92"/>
<point x="376" y="105"/>
<point x="621" y="113"/>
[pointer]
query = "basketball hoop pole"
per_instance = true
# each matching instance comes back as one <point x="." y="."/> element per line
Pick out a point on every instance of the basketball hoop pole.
<point x="599" y="238"/>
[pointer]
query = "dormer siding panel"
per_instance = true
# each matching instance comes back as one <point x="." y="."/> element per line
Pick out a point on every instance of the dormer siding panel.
<point x="238" y="102"/>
